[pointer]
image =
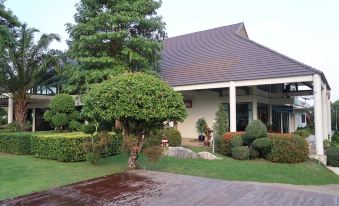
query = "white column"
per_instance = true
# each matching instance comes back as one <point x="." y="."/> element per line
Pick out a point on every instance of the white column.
<point x="233" y="107"/>
<point x="10" y="109"/>
<point x="33" y="120"/>
<point x="318" y="114"/>
<point x="270" y="114"/>
<point x="255" y="108"/>
<point x="329" y="115"/>
<point x="325" y="110"/>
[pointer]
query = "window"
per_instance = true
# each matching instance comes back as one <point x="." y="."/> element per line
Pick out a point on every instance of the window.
<point x="303" y="118"/>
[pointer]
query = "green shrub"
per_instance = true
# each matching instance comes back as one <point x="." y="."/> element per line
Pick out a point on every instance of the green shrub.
<point x="88" y="128"/>
<point x="335" y="138"/>
<point x="153" y="138"/>
<point x="262" y="144"/>
<point x="60" y="119"/>
<point x="67" y="147"/>
<point x="225" y="147"/>
<point x="247" y="140"/>
<point x="236" y="141"/>
<point x="333" y="156"/>
<point x="288" y="148"/>
<point x="254" y="153"/>
<point x="256" y="129"/>
<point x="241" y="153"/>
<point x="15" y="143"/>
<point x="303" y="132"/>
<point x="74" y="125"/>
<point x="173" y="136"/>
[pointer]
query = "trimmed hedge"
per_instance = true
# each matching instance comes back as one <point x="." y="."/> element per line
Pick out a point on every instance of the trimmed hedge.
<point x="225" y="147"/>
<point x="288" y="148"/>
<point x="68" y="147"/>
<point x="15" y="143"/>
<point x="333" y="156"/>
<point x="256" y="129"/>
<point x="173" y="136"/>
<point x="154" y="137"/>
<point x="241" y="153"/>
<point x="230" y="135"/>
<point x="236" y="141"/>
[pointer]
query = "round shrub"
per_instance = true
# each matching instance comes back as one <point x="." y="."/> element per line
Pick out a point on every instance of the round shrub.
<point x="263" y="145"/>
<point x="256" y="129"/>
<point x="288" y="148"/>
<point x="254" y="153"/>
<point x="225" y="147"/>
<point x="247" y="140"/>
<point x="236" y="141"/>
<point x="333" y="156"/>
<point x="173" y="136"/>
<point x="153" y="138"/>
<point x="74" y="125"/>
<point x="88" y="128"/>
<point x="241" y="153"/>
<point x="60" y="119"/>
<point x="62" y="103"/>
<point x="303" y="132"/>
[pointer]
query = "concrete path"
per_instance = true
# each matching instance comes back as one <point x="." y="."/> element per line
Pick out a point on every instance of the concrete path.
<point x="158" y="188"/>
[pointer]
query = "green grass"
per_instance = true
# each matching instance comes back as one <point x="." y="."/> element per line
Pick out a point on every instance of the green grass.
<point x="24" y="174"/>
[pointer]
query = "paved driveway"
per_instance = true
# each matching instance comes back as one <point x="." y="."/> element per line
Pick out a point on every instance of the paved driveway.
<point x="157" y="188"/>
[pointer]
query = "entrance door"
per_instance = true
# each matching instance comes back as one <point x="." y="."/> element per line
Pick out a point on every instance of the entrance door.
<point x="281" y="122"/>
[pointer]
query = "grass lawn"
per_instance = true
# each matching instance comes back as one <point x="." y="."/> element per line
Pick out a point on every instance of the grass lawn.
<point x="25" y="174"/>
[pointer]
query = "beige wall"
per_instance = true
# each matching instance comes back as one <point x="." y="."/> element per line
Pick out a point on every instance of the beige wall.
<point x="204" y="104"/>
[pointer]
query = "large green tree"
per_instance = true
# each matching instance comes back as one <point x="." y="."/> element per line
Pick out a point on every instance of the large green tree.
<point x="7" y="18"/>
<point x="140" y="101"/>
<point x="23" y="63"/>
<point x="110" y="37"/>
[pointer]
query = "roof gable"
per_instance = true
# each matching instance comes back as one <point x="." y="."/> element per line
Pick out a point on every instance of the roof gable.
<point x="223" y="54"/>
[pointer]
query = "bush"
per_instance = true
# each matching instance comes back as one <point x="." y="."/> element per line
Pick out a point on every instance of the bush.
<point x="225" y="147"/>
<point x="153" y="138"/>
<point x="241" y="153"/>
<point x="303" y="132"/>
<point x="88" y="128"/>
<point x="333" y="156"/>
<point x="60" y="119"/>
<point x="68" y="147"/>
<point x="263" y="145"/>
<point x="15" y="143"/>
<point x="153" y="153"/>
<point x="254" y="153"/>
<point x="230" y="135"/>
<point x="288" y="148"/>
<point x="173" y="136"/>
<point x="248" y="140"/>
<point x="335" y="138"/>
<point x="256" y="129"/>
<point x="236" y="141"/>
<point x="74" y="125"/>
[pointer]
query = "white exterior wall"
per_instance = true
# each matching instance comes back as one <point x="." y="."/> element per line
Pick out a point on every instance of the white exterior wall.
<point x="204" y="105"/>
<point x="298" y="118"/>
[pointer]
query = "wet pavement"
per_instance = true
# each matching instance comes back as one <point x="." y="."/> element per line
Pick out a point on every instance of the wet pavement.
<point x="158" y="188"/>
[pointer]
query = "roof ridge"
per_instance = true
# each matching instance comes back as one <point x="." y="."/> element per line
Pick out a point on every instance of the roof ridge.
<point x="282" y="55"/>
<point x="181" y="35"/>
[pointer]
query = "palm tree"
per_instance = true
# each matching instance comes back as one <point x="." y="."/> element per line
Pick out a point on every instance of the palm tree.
<point x="23" y="64"/>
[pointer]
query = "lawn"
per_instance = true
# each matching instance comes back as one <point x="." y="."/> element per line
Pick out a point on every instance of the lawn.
<point x="25" y="174"/>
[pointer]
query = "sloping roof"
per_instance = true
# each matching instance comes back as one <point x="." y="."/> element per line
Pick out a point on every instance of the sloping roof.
<point x="224" y="54"/>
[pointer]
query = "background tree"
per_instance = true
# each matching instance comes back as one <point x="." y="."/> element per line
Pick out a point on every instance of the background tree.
<point x="62" y="113"/>
<point x="335" y="114"/>
<point x="140" y="101"/>
<point x="7" y="19"/>
<point x="220" y="126"/>
<point x="110" y="37"/>
<point x="23" y="63"/>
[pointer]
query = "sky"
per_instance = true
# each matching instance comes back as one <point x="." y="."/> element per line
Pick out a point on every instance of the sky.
<point x="305" y="30"/>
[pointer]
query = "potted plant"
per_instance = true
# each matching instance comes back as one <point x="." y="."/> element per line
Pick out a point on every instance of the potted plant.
<point x="201" y="125"/>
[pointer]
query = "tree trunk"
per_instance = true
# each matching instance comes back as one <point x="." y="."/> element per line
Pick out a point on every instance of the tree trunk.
<point x="21" y="110"/>
<point x="133" y="159"/>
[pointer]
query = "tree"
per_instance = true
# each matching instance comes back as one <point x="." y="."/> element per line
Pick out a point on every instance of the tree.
<point x="23" y="63"/>
<point x="220" y="126"/>
<point x="111" y="37"/>
<point x="335" y="114"/>
<point x="7" y="19"/>
<point x="62" y="112"/>
<point x="139" y="101"/>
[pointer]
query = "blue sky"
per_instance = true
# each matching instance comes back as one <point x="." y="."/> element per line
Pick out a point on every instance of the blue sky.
<point x="306" y="30"/>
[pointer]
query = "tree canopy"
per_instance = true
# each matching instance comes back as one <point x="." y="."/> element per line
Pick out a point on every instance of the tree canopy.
<point x="140" y="101"/>
<point x="111" y="37"/>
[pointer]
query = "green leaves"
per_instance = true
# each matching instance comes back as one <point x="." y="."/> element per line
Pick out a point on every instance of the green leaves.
<point x="111" y="37"/>
<point x="136" y="99"/>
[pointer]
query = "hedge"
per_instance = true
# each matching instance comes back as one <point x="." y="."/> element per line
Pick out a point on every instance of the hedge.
<point x="68" y="147"/>
<point x="241" y="153"/>
<point x="333" y="156"/>
<point x="15" y="143"/>
<point x="230" y="135"/>
<point x="288" y="148"/>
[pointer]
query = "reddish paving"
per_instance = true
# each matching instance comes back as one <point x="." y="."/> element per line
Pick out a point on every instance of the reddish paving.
<point x="121" y="188"/>
<point x="158" y="188"/>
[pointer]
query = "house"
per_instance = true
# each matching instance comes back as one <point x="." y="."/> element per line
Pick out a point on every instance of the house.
<point x="251" y="81"/>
